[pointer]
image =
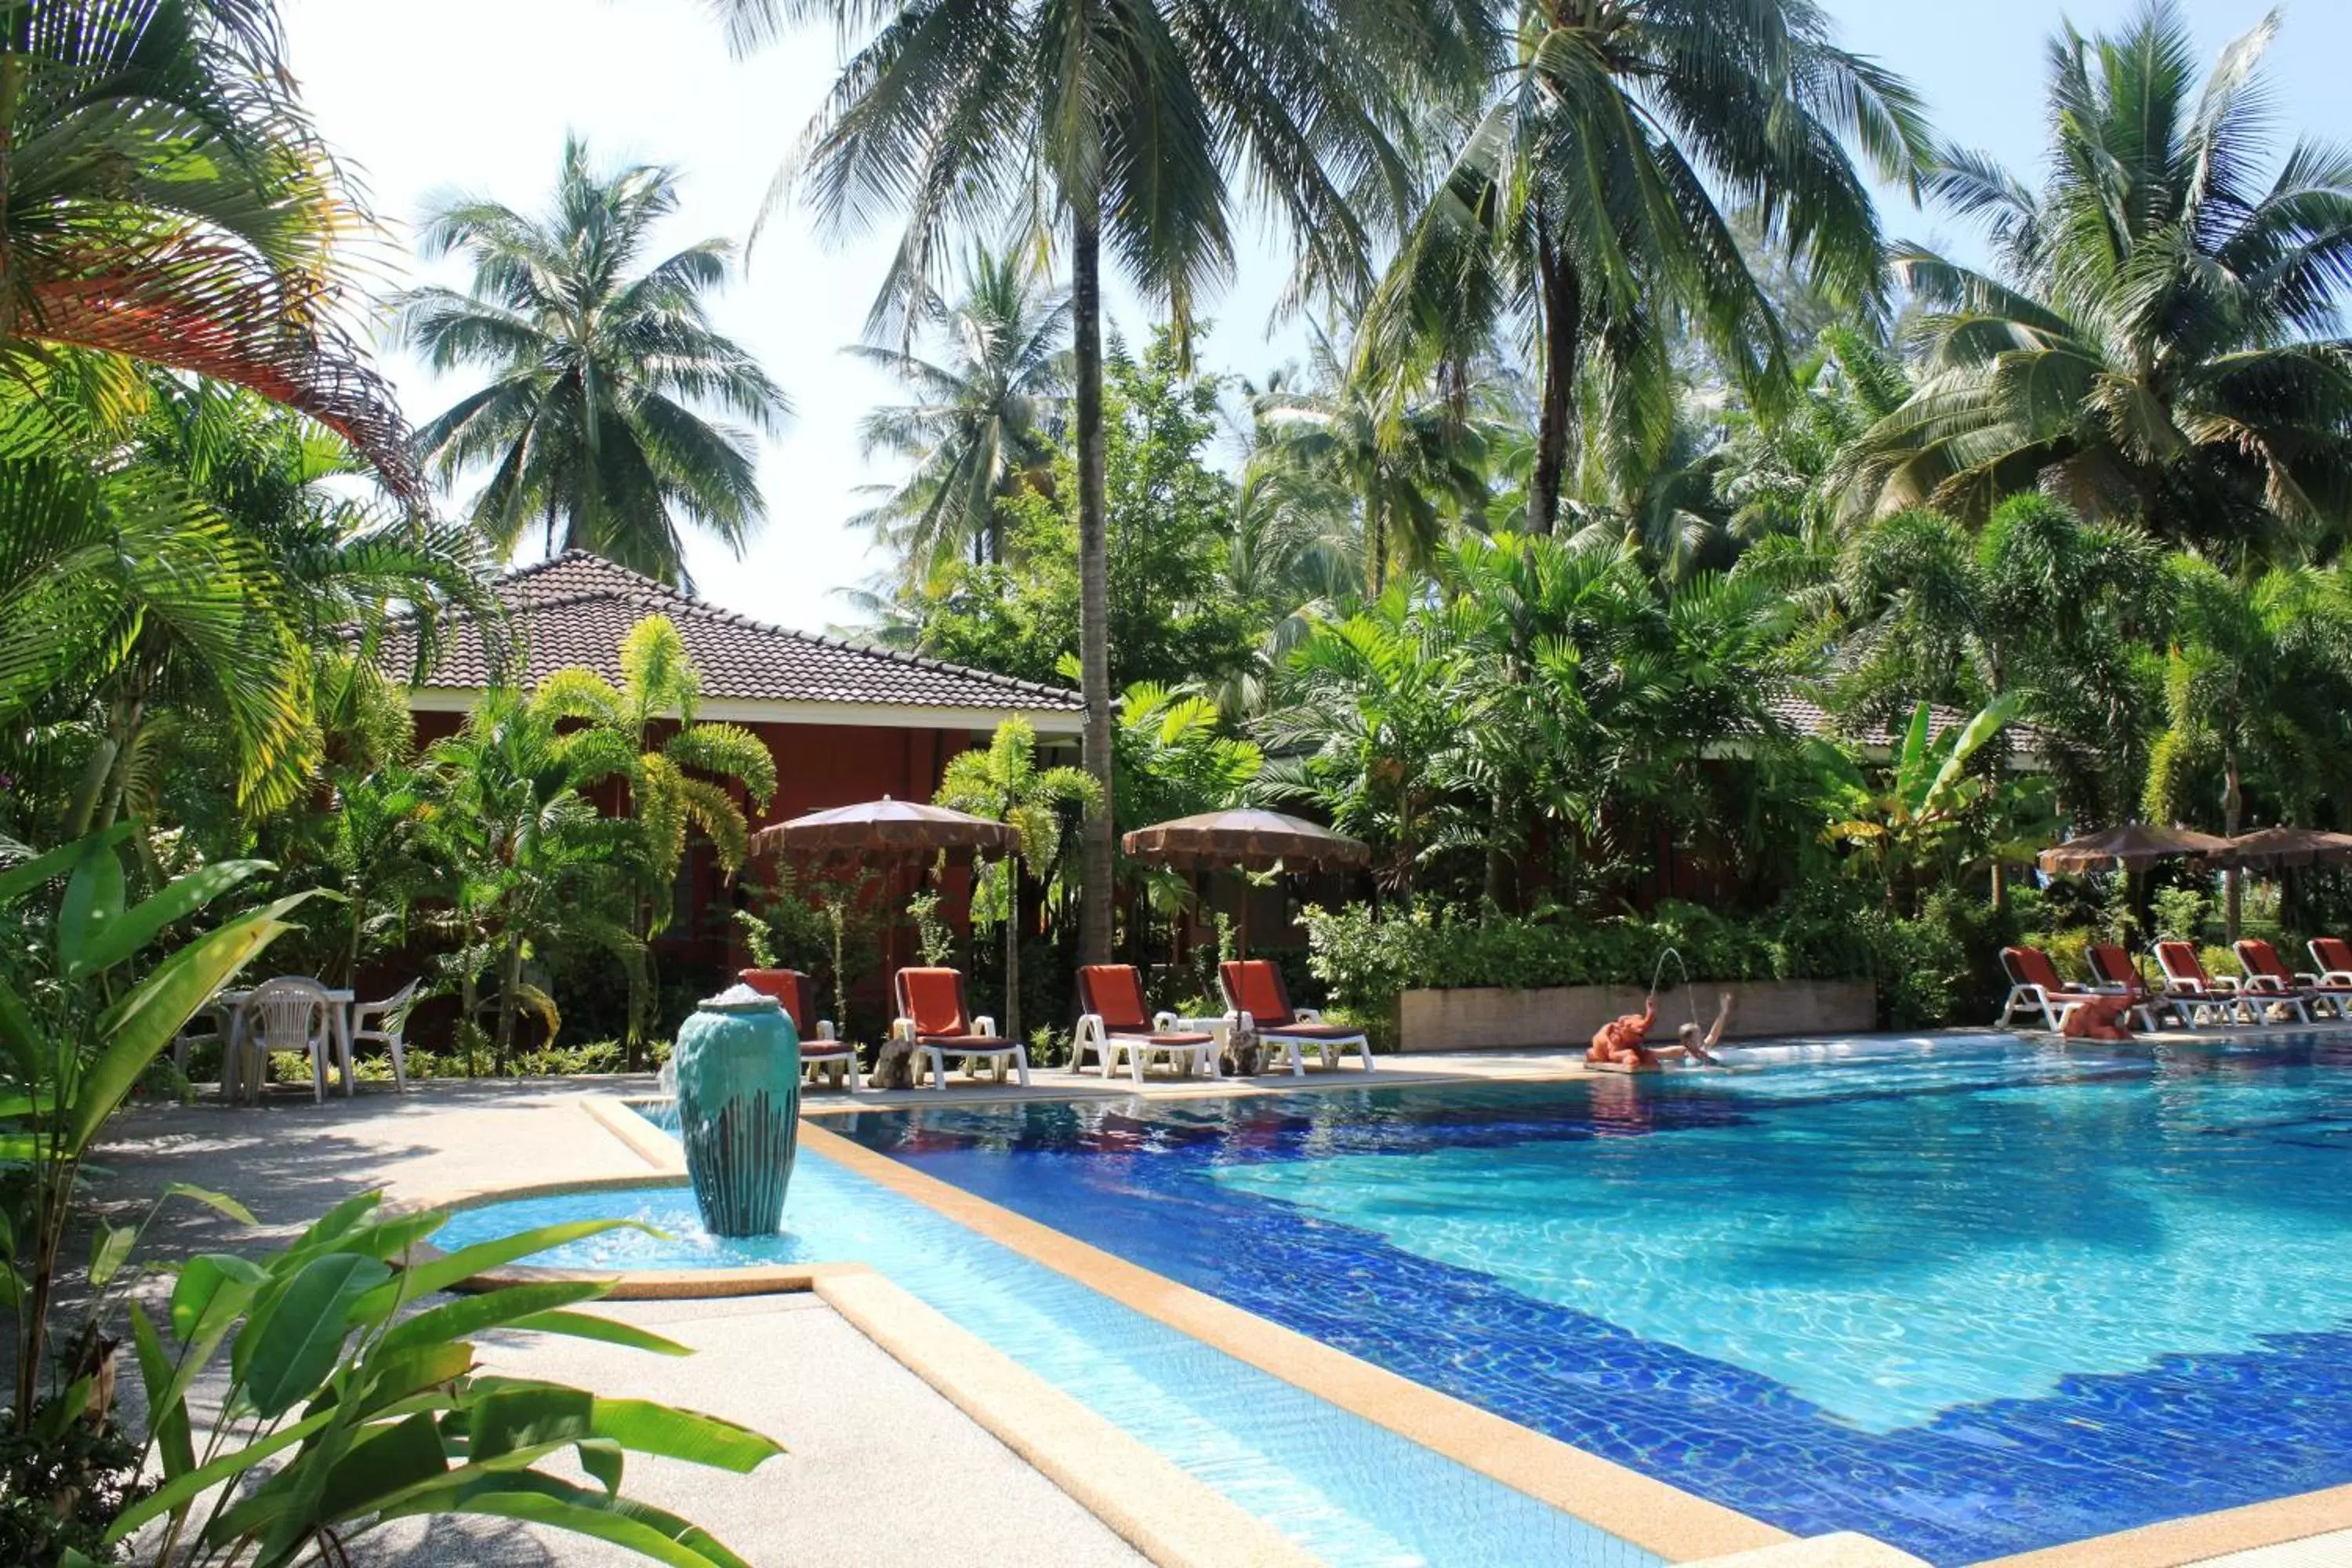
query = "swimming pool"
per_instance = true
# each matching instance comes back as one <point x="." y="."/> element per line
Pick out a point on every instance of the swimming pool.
<point x="1350" y="1492"/>
<point x="1971" y="1298"/>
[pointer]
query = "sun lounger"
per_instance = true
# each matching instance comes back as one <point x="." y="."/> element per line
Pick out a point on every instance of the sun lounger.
<point x="2035" y="986"/>
<point x="932" y="1015"/>
<point x="2208" y="1000"/>
<point x="2112" y="971"/>
<point x="2331" y="957"/>
<point x="2267" y="974"/>
<point x="1258" y="1001"/>
<point x="821" y="1052"/>
<point x="1115" y="1023"/>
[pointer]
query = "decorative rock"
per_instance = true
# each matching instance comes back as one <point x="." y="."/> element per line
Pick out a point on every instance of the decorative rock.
<point x="738" y="1063"/>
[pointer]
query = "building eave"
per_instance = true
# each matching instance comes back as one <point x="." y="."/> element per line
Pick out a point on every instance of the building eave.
<point x="862" y="715"/>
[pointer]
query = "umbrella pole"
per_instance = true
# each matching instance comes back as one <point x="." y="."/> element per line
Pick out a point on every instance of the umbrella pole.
<point x="1241" y="932"/>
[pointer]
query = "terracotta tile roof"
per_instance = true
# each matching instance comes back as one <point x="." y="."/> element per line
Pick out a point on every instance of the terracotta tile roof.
<point x="1806" y="717"/>
<point x="576" y="608"/>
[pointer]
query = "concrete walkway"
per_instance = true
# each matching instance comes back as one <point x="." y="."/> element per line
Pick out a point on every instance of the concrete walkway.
<point x="882" y="1468"/>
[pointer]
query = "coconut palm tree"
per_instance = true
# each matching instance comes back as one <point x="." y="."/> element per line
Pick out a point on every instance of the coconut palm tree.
<point x="1586" y="208"/>
<point x="600" y="425"/>
<point x="1124" y="125"/>
<point x="166" y="199"/>
<point x="1404" y="455"/>
<point x="984" y="426"/>
<point x="2160" y="337"/>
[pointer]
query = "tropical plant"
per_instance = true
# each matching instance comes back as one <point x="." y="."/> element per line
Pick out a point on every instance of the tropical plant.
<point x="1171" y="519"/>
<point x="1405" y="454"/>
<point x="117" y="587"/>
<point x="1124" y="127"/>
<point x="168" y="200"/>
<point x="1370" y="726"/>
<point x="674" y="783"/>
<point x="86" y="1005"/>
<point x="1005" y="785"/>
<point x="535" y="866"/>
<point x="1899" y="824"/>
<point x="984" y="423"/>
<point x="1177" y="760"/>
<point x="593" y="427"/>
<point x="343" y="1409"/>
<point x="1605" y="702"/>
<point x="1581" y="206"/>
<point x="2256" y="682"/>
<point x="2036" y="604"/>
<point x="179" y="588"/>
<point x="2160" y="338"/>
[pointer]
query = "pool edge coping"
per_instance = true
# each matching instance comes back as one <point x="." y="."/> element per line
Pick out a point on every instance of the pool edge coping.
<point x="2198" y="1537"/>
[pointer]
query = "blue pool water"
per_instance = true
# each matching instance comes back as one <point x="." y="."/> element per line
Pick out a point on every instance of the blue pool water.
<point x="1350" y="1492"/>
<point x="1973" y="1298"/>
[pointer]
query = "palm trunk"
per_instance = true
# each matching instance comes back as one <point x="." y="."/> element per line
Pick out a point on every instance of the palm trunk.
<point x="2233" y="804"/>
<point x="1564" y="318"/>
<point x="510" y="984"/>
<point x="1013" y="949"/>
<point x="1094" y="571"/>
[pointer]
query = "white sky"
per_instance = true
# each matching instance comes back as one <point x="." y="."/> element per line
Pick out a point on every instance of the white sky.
<point x="478" y="95"/>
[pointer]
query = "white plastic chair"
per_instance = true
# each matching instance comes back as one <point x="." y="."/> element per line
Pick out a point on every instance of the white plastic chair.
<point x="385" y="1022"/>
<point x="294" y="1014"/>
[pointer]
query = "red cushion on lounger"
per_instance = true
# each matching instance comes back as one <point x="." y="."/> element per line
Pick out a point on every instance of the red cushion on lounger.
<point x="1254" y="985"/>
<point x="2261" y="959"/>
<point x="2179" y="961"/>
<point x="964" y="1042"/>
<point x="788" y="987"/>
<point x="2113" y="966"/>
<point x="933" y="998"/>
<point x="2032" y="967"/>
<point x="2332" y="952"/>
<point x="1315" y="1032"/>
<point x="1114" y="992"/>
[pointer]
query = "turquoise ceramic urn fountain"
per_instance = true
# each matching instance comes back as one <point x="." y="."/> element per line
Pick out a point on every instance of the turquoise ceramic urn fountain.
<point x="738" y="1063"/>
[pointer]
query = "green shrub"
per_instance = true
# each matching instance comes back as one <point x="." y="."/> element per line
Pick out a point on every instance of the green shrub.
<point x="1366" y="963"/>
<point x="2181" y="913"/>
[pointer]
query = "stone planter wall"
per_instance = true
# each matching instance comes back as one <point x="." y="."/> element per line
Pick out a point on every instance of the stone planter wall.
<point x="1483" y="1018"/>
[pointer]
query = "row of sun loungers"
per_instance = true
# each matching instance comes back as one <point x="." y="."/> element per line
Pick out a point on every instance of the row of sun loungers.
<point x="1114" y="1026"/>
<point x="2269" y="993"/>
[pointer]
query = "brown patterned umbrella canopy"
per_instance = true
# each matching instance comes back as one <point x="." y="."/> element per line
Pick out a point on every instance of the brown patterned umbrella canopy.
<point x="1245" y="840"/>
<point x="2133" y="844"/>
<point x="885" y="829"/>
<point x="2269" y="846"/>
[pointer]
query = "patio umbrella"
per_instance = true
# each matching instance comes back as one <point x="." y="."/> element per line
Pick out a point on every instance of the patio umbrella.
<point x="2271" y="848"/>
<point x="2130" y="847"/>
<point x="886" y="835"/>
<point x="1245" y="840"/>
<point x="885" y="830"/>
